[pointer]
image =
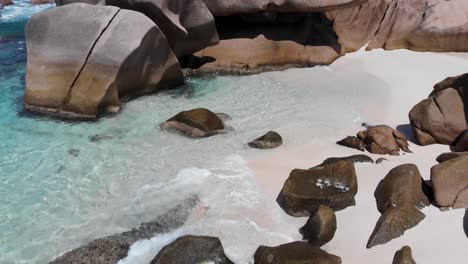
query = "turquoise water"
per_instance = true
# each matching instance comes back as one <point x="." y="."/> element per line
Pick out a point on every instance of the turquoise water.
<point x="60" y="189"/>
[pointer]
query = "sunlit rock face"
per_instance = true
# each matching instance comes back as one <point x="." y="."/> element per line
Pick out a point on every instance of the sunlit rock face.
<point x="83" y="73"/>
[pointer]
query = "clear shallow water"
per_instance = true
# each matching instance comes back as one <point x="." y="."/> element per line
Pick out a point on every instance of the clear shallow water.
<point x="59" y="190"/>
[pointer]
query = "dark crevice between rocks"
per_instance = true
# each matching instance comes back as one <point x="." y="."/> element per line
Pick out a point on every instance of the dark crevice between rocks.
<point x="67" y="98"/>
<point x="465" y="223"/>
<point x="407" y="130"/>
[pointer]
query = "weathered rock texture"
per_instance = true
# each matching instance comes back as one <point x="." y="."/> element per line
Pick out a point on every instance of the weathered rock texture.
<point x="450" y="182"/>
<point x="320" y="227"/>
<point x="270" y="140"/>
<point x="333" y="185"/>
<point x="399" y="197"/>
<point x="110" y="250"/>
<point x="251" y="43"/>
<point x="83" y="73"/>
<point x="420" y="25"/>
<point x="442" y="117"/>
<point x="199" y="122"/>
<point x="294" y="253"/>
<point x="192" y="249"/>
<point x="233" y="7"/>
<point x="403" y="256"/>
<point x="383" y="140"/>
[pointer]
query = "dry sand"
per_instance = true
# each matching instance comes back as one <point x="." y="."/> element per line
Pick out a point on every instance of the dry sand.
<point x="440" y="238"/>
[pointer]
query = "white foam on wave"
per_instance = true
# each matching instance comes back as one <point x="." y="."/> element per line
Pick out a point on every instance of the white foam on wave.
<point x="231" y="207"/>
<point x="21" y="10"/>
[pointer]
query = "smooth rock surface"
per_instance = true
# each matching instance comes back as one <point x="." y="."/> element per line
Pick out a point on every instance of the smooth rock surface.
<point x="352" y="142"/>
<point x="270" y="140"/>
<point x="320" y="227"/>
<point x="450" y="155"/>
<point x="383" y="140"/>
<point x="199" y="122"/>
<point x="294" y="253"/>
<point x="192" y="249"/>
<point x="334" y="185"/>
<point x="403" y="256"/>
<point x="450" y="182"/>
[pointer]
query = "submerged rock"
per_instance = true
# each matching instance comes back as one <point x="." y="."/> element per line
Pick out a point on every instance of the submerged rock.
<point x="399" y="197"/>
<point x="110" y="250"/>
<point x="450" y="182"/>
<point x="403" y="256"/>
<point x="321" y="226"/>
<point x="294" y="253"/>
<point x="304" y="191"/>
<point x="353" y="159"/>
<point x="352" y="142"/>
<point x="192" y="249"/>
<point x="267" y="141"/>
<point x="383" y="140"/>
<point x="441" y="118"/>
<point x="199" y="122"/>
<point x="84" y="73"/>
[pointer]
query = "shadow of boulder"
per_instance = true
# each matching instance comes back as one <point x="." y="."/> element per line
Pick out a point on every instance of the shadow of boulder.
<point x="465" y="223"/>
<point x="407" y="130"/>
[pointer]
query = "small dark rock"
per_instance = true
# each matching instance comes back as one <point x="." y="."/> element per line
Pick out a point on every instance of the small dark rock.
<point x="380" y="160"/>
<point x="74" y="152"/>
<point x="97" y="138"/>
<point x="267" y="141"/>
<point x="403" y="256"/>
<point x="353" y="159"/>
<point x="321" y="226"/>
<point x="192" y="249"/>
<point x="352" y="142"/>
<point x="294" y="253"/>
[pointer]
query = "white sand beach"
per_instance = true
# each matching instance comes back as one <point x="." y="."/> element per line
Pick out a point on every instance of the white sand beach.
<point x="440" y="238"/>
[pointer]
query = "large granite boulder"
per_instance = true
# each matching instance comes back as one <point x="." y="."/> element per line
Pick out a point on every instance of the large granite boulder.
<point x="232" y="7"/>
<point x="187" y="24"/>
<point x="420" y="25"/>
<point x="83" y="73"/>
<point x="450" y="182"/>
<point x="249" y="45"/>
<point x="399" y="197"/>
<point x="111" y="249"/>
<point x="199" y="122"/>
<point x="333" y="185"/>
<point x="192" y="249"/>
<point x="442" y="117"/>
<point x="403" y="256"/>
<point x="320" y="227"/>
<point x="294" y="253"/>
<point x="383" y="140"/>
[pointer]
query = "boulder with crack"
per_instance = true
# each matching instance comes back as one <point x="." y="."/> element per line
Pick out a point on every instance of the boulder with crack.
<point x="450" y="182"/>
<point x="400" y="196"/>
<point x="193" y="249"/>
<point x="333" y="185"/>
<point x="84" y="73"/>
<point x="442" y="117"/>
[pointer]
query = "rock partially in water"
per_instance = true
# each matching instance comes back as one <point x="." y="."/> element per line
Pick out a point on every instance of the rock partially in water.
<point x="110" y="250"/>
<point x="399" y="196"/>
<point x="195" y="123"/>
<point x="294" y="253"/>
<point x="404" y="256"/>
<point x="352" y="142"/>
<point x="383" y="140"/>
<point x="450" y="182"/>
<point x="193" y="249"/>
<point x="5" y="3"/>
<point x="99" y="137"/>
<point x="441" y="118"/>
<point x="63" y="63"/>
<point x="320" y="227"/>
<point x="353" y="159"/>
<point x="270" y="140"/>
<point x="40" y="2"/>
<point x="304" y="191"/>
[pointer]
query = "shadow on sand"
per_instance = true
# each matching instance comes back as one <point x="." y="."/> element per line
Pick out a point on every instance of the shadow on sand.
<point x="465" y="223"/>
